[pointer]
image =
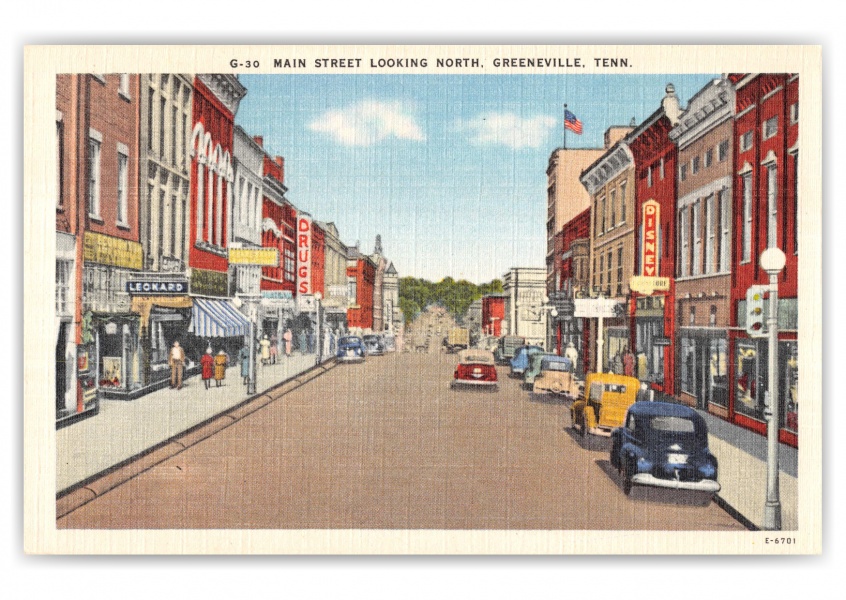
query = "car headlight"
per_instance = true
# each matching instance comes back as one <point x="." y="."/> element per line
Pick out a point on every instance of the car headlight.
<point x="708" y="470"/>
<point x="643" y="464"/>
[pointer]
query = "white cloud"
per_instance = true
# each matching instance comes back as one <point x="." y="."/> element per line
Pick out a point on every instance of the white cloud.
<point x="508" y="129"/>
<point x="369" y="122"/>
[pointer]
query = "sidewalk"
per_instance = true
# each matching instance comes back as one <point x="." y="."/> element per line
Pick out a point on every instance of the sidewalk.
<point x="742" y="456"/>
<point x="124" y="429"/>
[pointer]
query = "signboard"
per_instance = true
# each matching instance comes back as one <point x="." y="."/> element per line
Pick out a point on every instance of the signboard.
<point x="646" y="285"/>
<point x="593" y="308"/>
<point x="306" y="303"/>
<point x="278" y="295"/>
<point x="157" y="288"/>
<point x="649" y="258"/>
<point x="660" y="341"/>
<point x="265" y="257"/>
<point x="209" y="283"/>
<point x="303" y="254"/>
<point x="107" y="250"/>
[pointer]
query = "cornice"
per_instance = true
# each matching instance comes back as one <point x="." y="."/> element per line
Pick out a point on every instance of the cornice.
<point x="610" y="165"/>
<point x="711" y="107"/>
<point x="226" y="88"/>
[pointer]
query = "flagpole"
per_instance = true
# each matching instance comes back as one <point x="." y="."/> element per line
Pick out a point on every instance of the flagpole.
<point x="565" y="126"/>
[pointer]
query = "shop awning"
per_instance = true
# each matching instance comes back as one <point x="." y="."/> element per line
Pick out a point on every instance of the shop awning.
<point x="216" y="318"/>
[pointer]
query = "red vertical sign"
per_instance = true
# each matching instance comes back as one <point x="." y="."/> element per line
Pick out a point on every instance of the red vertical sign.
<point x="304" y="254"/>
<point x="649" y="243"/>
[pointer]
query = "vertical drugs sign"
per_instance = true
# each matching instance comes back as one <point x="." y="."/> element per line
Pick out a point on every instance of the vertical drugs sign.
<point x="304" y="253"/>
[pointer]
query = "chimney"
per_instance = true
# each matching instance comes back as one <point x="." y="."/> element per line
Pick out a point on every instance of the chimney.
<point x="259" y="140"/>
<point x="670" y="104"/>
<point x="281" y="162"/>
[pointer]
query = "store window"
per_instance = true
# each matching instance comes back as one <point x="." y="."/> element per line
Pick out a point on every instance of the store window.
<point x="751" y="380"/>
<point x="718" y="371"/>
<point x="63" y="279"/>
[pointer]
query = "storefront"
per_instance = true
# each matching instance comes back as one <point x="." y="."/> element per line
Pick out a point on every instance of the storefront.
<point x="65" y="331"/>
<point x="703" y="369"/>
<point x="218" y="325"/>
<point x="650" y="340"/>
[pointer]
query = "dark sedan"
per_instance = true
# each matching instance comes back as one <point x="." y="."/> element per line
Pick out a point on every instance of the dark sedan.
<point x="664" y="445"/>
<point x="351" y="349"/>
<point x="374" y="344"/>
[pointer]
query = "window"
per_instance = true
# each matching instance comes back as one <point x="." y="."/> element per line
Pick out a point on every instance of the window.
<point x="623" y="202"/>
<point x="602" y="214"/>
<point x="770" y="128"/>
<point x="173" y="137"/>
<point x="796" y="203"/>
<point x="794" y="113"/>
<point x="697" y="238"/>
<point x="173" y="222"/>
<point x="63" y="279"/>
<point x="649" y="176"/>
<point x="684" y="226"/>
<point x="746" y="141"/>
<point x="94" y="178"/>
<point x="619" y="268"/>
<point x="712" y="316"/>
<point x="709" y="157"/>
<point x="60" y="157"/>
<point x="601" y="271"/>
<point x="613" y="203"/>
<point x="352" y="290"/>
<point x="123" y="85"/>
<point x="595" y="271"/>
<point x="709" y="234"/>
<point x="183" y="223"/>
<point x="596" y="219"/>
<point x="290" y="265"/>
<point x="162" y="113"/>
<point x="610" y="260"/>
<point x="694" y="165"/>
<point x="746" y="239"/>
<point x="692" y="316"/>
<point x="723" y="150"/>
<point x="123" y="188"/>
<point x="725" y="220"/>
<point x="162" y="203"/>
<point x="683" y="172"/>
<point x="772" y="206"/>
<point x="661" y="169"/>
<point x="150" y="103"/>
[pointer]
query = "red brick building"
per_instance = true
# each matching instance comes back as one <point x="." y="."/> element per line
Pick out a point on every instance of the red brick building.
<point x="493" y="313"/>
<point x="766" y="128"/>
<point x="318" y="259"/>
<point x="361" y="279"/>
<point x="98" y="248"/>
<point x="279" y="221"/>
<point x="572" y="268"/>
<point x="653" y="317"/>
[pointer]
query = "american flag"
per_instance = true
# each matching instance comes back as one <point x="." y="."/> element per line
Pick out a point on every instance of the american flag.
<point x="572" y="123"/>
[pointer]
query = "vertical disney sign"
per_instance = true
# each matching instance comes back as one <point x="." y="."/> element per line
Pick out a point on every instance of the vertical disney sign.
<point x="649" y="244"/>
<point x="304" y="254"/>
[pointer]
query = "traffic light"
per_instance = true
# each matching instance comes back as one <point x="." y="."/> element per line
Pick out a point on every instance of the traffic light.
<point x="755" y="316"/>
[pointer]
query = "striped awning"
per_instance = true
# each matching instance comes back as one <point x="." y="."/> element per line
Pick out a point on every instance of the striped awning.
<point x="216" y="318"/>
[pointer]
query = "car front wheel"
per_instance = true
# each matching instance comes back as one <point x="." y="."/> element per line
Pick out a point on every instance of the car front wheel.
<point x="627" y="477"/>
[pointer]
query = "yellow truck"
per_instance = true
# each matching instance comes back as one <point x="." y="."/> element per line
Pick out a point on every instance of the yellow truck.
<point x="604" y="403"/>
<point x="458" y="338"/>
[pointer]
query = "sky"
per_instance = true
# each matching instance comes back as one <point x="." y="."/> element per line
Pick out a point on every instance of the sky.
<point x="449" y="169"/>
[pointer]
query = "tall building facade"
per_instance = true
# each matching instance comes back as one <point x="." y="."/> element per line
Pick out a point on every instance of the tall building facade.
<point x="524" y="289"/>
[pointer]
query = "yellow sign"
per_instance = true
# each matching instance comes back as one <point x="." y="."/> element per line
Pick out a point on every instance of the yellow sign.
<point x="647" y="285"/>
<point x="107" y="250"/>
<point x="265" y="257"/>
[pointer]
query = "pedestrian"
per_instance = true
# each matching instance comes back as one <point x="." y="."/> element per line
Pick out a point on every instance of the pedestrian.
<point x="207" y="363"/>
<point x="244" y="357"/>
<point x="573" y="355"/>
<point x="274" y="348"/>
<point x="288" y="337"/>
<point x="177" y="365"/>
<point x="301" y="338"/>
<point x="617" y="364"/>
<point x="220" y="364"/>
<point x="628" y="363"/>
<point x="311" y="340"/>
<point x="264" y="344"/>
<point x="327" y="341"/>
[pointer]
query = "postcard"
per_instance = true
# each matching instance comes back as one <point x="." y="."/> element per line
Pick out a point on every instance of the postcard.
<point x="422" y="300"/>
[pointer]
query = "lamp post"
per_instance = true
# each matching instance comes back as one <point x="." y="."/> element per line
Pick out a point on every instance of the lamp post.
<point x="318" y="297"/>
<point x="772" y="261"/>
<point x="548" y="310"/>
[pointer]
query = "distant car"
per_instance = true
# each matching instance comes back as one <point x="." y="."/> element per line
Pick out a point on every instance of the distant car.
<point x="664" y="445"/>
<point x="534" y="368"/>
<point x="374" y="344"/>
<point x="604" y="403"/>
<point x="556" y="377"/>
<point x="506" y="346"/>
<point x="522" y="359"/>
<point x="476" y="368"/>
<point x="390" y="343"/>
<point x="351" y="349"/>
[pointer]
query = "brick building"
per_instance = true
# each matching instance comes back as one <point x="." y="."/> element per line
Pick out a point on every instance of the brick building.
<point x="361" y="279"/>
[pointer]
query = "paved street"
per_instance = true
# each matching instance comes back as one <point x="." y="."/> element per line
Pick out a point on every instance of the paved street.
<point x="387" y="444"/>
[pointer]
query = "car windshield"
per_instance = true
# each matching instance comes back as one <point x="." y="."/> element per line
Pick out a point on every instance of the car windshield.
<point x="350" y="340"/>
<point x="371" y="338"/>
<point x="672" y="425"/>
<point x="556" y="365"/>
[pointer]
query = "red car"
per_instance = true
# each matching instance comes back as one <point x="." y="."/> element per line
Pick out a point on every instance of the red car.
<point x="476" y="368"/>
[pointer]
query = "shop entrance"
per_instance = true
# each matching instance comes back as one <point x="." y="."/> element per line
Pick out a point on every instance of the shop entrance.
<point x="61" y="369"/>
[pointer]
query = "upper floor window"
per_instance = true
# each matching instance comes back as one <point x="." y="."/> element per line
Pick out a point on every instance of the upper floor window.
<point x="770" y="128"/>
<point x="661" y="169"/>
<point x="623" y="202"/>
<point x="123" y="188"/>
<point x="746" y="238"/>
<point x="723" y="150"/>
<point x="94" y="142"/>
<point x="60" y="157"/>
<point x="772" y="206"/>
<point x="613" y="202"/>
<point x="694" y="165"/>
<point x="709" y="157"/>
<point x="683" y="172"/>
<point x="745" y="141"/>
<point x="794" y="113"/>
<point x="649" y="176"/>
<point x="123" y="85"/>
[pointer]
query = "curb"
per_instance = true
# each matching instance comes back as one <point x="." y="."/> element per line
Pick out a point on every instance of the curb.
<point x="735" y="514"/>
<point x="90" y="488"/>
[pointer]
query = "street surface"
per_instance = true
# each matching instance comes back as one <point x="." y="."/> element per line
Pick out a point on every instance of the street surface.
<point x="386" y="444"/>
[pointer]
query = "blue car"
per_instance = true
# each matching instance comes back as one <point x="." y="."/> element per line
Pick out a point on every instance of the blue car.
<point x="351" y="349"/>
<point x="664" y="445"/>
<point x="522" y="359"/>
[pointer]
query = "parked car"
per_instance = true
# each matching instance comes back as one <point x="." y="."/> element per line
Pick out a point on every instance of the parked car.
<point x="506" y="347"/>
<point x="556" y="377"/>
<point x="522" y="358"/>
<point x="351" y="349"/>
<point x="390" y="343"/>
<point x="664" y="445"/>
<point x="374" y="344"/>
<point x="476" y="368"/>
<point x="534" y="369"/>
<point x="604" y="403"/>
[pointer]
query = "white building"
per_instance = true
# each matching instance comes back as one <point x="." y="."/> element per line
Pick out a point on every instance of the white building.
<point x="525" y="289"/>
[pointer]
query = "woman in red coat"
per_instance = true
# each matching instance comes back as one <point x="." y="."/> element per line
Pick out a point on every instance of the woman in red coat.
<point x="207" y="362"/>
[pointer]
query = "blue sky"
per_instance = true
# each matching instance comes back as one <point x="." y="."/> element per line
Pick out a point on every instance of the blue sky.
<point x="449" y="169"/>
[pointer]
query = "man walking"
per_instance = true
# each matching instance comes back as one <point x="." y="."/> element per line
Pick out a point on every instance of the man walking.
<point x="177" y="365"/>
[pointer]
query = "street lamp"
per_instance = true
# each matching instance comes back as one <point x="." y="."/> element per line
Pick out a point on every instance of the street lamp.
<point x="772" y="261"/>
<point x="318" y="297"/>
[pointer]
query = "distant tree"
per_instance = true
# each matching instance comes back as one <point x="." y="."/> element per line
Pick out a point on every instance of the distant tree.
<point x="456" y="296"/>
